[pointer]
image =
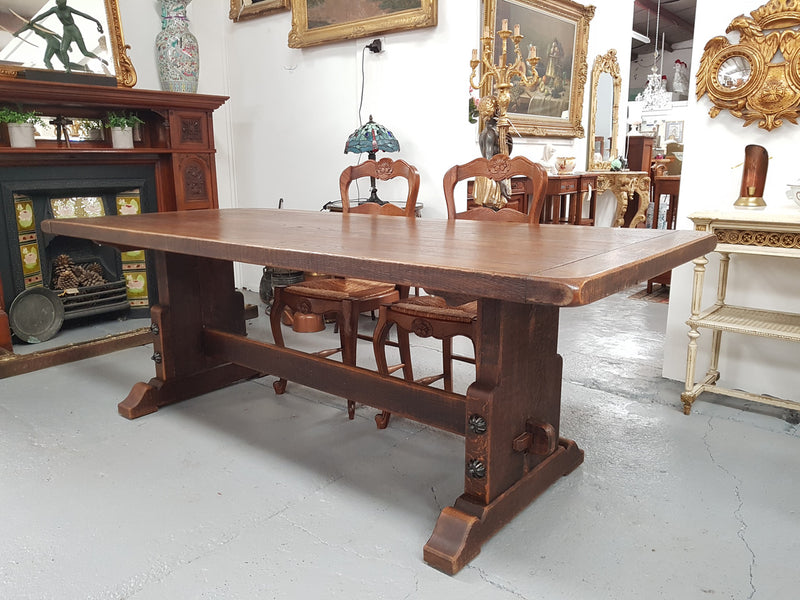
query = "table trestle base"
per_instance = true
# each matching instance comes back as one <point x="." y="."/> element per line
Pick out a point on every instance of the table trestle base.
<point x="462" y="529"/>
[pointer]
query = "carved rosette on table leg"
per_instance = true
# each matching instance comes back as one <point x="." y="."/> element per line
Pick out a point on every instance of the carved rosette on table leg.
<point x="512" y="448"/>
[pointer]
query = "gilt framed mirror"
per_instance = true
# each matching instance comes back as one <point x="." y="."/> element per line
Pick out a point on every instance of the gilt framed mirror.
<point x="606" y="86"/>
<point x="68" y="36"/>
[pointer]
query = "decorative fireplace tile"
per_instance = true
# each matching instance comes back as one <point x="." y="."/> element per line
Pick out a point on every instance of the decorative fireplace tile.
<point x="129" y="203"/>
<point x="82" y="206"/>
<point x="133" y="262"/>
<point x="28" y="244"/>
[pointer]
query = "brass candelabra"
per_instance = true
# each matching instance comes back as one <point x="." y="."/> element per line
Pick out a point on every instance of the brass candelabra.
<point x="501" y="75"/>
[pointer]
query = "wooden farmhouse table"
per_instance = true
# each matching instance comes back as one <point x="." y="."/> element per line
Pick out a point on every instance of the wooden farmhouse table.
<point x="522" y="275"/>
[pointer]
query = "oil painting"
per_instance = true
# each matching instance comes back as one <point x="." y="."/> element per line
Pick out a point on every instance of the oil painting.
<point x="559" y="31"/>
<point x="324" y="21"/>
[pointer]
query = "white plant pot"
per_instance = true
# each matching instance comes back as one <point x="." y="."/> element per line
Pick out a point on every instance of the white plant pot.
<point x="122" y="137"/>
<point x="21" y="135"/>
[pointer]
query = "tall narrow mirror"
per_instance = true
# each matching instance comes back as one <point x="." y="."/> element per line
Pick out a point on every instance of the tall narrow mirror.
<point x="38" y="37"/>
<point x="606" y="85"/>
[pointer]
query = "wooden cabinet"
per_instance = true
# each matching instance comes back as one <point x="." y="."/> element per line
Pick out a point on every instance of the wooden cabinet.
<point x="562" y="201"/>
<point x="640" y="152"/>
<point x="738" y="232"/>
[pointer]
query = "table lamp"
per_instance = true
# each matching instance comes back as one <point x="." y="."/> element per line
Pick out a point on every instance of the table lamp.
<point x="370" y="138"/>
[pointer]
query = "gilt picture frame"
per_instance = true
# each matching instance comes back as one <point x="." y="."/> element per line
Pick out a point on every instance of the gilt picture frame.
<point x="242" y="10"/>
<point x="326" y="21"/>
<point x="108" y="47"/>
<point x="559" y="29"/>
<point x="673" y="132"/>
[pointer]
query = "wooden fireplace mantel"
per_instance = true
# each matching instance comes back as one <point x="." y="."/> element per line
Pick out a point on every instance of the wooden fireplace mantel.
<point x="177" y="135"/>
<point x="177" y="138"/>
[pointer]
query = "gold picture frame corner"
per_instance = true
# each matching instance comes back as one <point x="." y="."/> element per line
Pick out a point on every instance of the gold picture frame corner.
<point x="243" y="10"/>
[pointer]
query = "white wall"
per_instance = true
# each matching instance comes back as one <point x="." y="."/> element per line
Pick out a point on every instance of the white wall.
<point x="713" y="152"/>
<point x="141" y="22"/>
<point x="282" y="133"/>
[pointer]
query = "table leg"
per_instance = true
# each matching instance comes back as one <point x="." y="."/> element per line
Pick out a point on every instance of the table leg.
<point x="512" y="447"/>
<point x="193" y="293"/>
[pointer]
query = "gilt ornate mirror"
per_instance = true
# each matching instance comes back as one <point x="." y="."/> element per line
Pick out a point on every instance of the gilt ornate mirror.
<point x="68" y="36"/>
<point x="757" y="76"/>
<point x="604" y="112"/>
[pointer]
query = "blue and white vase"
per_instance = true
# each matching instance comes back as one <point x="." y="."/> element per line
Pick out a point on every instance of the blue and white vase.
<point x="177" y="53"/>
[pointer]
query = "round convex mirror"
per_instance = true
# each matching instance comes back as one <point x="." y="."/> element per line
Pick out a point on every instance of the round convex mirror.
<point x="734" y="72"/>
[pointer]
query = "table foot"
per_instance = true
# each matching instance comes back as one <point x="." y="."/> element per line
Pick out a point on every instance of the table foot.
<point x="146" y="398"/>
<point x="462" y="529"/>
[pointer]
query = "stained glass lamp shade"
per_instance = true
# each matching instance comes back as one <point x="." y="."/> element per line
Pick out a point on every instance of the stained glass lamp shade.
<point x="370" y="138"/>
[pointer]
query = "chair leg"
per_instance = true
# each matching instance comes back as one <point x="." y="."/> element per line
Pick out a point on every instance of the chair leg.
<point x="379" y="336"/>
<point x="447" y="363"/>
<point x="275" y="315"/>
<point x="405" y="353"/>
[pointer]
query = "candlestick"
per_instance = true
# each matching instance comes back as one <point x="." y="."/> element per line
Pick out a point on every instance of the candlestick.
<point x="474" y="54"/>
<point x="496" y="80"/>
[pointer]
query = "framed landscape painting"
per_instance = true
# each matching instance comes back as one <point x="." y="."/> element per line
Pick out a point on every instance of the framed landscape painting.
<point x="559" y="30"/>
<point x="324" y="21"/>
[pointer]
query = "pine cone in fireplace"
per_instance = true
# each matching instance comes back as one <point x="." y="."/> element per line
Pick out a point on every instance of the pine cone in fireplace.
<point x="61" y="264"/>
<point x="88" y="278"/>
<point x="67" y="280"/>
<point x="95" y="268"/>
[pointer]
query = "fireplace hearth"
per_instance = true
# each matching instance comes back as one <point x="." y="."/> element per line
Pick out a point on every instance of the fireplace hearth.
<point x="28" y="195"/>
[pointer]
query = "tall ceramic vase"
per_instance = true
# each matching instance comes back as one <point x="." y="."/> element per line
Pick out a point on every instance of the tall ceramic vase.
<point x="177" y="52"/>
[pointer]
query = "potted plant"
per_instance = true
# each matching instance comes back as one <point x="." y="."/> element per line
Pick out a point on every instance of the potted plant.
<point x="121" y="125"/>
<point x="20" y="125"/>
<point x="89" y="129"/>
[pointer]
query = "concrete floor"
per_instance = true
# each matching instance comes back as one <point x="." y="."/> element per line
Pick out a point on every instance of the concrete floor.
<point x="242" y="494"/>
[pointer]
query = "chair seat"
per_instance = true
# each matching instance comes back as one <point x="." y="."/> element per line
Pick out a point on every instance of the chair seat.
<point x="341" y="289"/>
<point x="436" y="307"/>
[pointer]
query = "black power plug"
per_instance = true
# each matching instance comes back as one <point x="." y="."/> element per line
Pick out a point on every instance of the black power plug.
<point x="375" y="46"/>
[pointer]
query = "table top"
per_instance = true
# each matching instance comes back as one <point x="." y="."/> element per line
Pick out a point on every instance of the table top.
<point x="544" y="264"/>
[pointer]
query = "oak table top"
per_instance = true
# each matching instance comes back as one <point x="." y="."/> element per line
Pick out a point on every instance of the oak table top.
<point x="564" y="266"/>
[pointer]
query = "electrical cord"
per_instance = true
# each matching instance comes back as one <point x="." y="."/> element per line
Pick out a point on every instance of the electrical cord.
<point x="360" y="106"/>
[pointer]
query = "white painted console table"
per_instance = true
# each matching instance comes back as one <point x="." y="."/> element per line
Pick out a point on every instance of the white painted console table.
<point x="760" y="233"/>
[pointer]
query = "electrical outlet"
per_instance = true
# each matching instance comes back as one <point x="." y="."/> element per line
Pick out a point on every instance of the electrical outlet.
<point x="375" y="46"/>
